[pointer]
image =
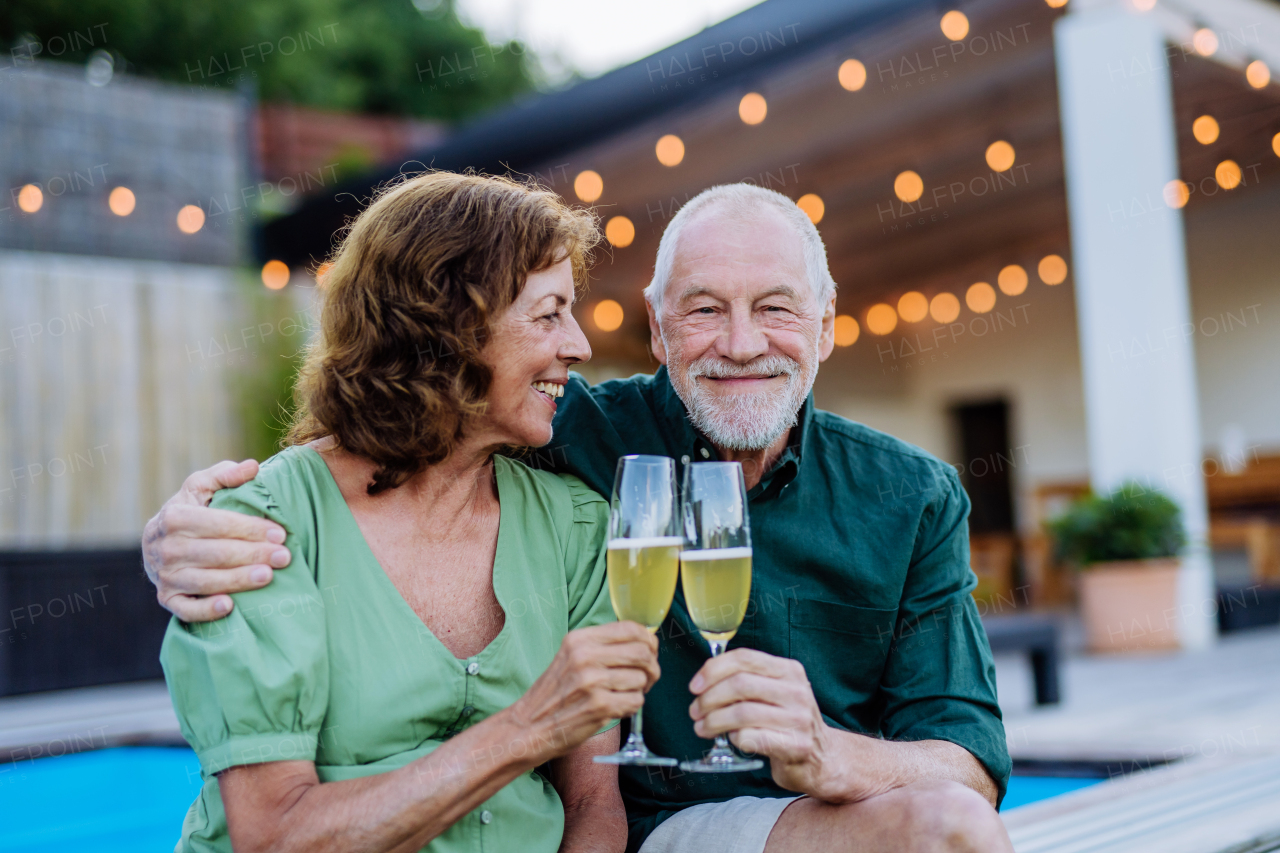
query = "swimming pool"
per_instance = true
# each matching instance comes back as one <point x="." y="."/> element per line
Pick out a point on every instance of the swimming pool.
<point x="1032" y="789"/>
<point x="110" y="800"/>
<point x="133" y="799"/>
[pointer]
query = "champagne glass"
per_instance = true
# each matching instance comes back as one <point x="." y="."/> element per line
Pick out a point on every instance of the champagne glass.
<point x="715" y="571"/>
<point x="643" y="563"/>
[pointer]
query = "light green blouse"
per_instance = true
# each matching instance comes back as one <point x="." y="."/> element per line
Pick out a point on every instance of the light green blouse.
<point x="328" y="663"/>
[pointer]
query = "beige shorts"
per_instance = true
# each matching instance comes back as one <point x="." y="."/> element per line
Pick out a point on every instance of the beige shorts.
<point x="740" y="825"/>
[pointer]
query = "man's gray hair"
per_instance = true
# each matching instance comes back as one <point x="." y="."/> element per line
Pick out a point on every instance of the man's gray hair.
<point x="741" y="200"/>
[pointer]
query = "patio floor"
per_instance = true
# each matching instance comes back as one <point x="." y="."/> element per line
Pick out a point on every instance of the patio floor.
<point x="1204" y="805"/>
<point x="1132" y="712"/>
<point x="66" y="721"/>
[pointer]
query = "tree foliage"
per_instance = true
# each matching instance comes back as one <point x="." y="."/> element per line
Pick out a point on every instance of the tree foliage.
<point x="371" y="56"/>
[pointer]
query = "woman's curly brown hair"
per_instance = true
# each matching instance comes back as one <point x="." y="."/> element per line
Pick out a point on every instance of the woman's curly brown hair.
<point x="394" y="374"/>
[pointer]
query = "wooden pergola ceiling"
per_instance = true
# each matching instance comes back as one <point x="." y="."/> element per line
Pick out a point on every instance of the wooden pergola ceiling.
<point x="847" y="147"/>
<point x="1248" y="118"/>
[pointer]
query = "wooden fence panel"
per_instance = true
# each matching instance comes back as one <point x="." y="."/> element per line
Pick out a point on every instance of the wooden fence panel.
<point x="110" y="391"/>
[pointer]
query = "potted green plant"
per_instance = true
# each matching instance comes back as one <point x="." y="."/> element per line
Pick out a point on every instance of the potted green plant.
<point x="1126" y="546"/>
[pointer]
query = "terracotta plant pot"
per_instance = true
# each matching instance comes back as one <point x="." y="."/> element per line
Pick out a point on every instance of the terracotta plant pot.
<point x="1130" y="605"/>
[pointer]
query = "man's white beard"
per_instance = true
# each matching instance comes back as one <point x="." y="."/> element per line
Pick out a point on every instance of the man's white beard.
<point x="743" y="421"/>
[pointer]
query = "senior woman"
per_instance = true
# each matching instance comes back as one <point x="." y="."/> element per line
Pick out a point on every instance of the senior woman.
<point x="444" y="628"/>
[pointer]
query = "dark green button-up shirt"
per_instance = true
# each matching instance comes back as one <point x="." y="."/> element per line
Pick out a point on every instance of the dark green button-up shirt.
<point x="860" y="572"/>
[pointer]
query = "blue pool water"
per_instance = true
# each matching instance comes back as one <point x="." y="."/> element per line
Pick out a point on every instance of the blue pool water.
<point x="108" y="801"/>
<point x="1032" y="789"/>
<point x="133" y="800"/>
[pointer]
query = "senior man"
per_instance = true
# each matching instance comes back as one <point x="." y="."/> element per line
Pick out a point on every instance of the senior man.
<point x="861" y="670"/>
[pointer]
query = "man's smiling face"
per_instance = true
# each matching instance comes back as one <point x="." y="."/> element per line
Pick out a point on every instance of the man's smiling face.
<point x="741" y="330"/>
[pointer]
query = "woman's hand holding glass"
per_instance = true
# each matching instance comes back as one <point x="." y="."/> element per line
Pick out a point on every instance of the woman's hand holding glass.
<point x="643" y="565"/>
<point x="598" y="675"/>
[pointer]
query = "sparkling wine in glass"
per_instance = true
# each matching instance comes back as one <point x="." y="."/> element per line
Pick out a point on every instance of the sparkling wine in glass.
<point x="643" y="563"/>
<point x="715" y="571"/>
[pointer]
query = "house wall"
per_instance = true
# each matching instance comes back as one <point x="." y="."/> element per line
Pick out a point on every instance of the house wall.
<point x="1234" y="261"/>
<point x="1235" y="270"/>
<point x="1024" y="351"/>
<point x="307" y="145"/>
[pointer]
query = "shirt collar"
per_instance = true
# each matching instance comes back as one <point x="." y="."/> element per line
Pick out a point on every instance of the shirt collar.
<point x="689" y="445"/>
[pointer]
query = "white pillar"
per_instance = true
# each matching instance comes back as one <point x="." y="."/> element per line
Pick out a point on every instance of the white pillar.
<point x="1130" y="275"/>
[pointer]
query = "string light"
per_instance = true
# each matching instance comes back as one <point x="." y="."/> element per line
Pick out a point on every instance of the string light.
<point x="121" y="201"/>
<point x="907" y="186"/>
<point x="812" y="206"/>
<point x="607" y="315"/>
<point x="1205" y="42"/>
<point x="1012" y="280"/>
<point x="980" y="297"/>
<point x="670" y="150"/>
<point x="913" y="307"/>
<point x="1258" y="74"/>
<point x="620" y="232"/>
<point x="955" y="25"/>
<point x="1176" y="194"/>
<point x="1052" y="269"/>
<point x="881" y="319"/>
<point x="588" y="186"/>
<point x="1000" y="155"/>
<point x="1227" y="174"/>
<point x="847" y="330"/>
<point x="852" y="76"/>
<point x="275" y="274"/>
<point x="1205" y="130"/>
<point x="753" y="108"/>
<point x="190" y="219"/>
<point x="30" y="198"/>
<point x="944" y="308"/>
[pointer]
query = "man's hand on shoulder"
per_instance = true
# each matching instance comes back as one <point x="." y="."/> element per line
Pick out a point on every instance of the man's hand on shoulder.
<point x="196" y="555"/>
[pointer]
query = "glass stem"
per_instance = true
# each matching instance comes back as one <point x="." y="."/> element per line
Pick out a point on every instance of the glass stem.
<point x="721" y="741"/>
<point x="637" y="720"/>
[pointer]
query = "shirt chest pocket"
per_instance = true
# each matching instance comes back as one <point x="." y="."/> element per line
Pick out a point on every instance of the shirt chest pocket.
<point x="843" y="649"/>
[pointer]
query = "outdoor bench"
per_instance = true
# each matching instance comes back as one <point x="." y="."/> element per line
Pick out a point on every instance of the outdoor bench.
<point x="1037" y="635"/>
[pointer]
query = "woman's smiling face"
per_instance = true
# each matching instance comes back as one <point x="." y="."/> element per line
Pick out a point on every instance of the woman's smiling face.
<point x="534" y="343"/>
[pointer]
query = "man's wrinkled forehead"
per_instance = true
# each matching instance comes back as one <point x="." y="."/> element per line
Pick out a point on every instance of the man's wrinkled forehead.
<point x="721" y="246"/>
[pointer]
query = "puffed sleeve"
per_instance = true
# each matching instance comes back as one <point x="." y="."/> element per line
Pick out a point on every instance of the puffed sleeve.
<point x="585" y="575"/>
<point x="253" y="687"/>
